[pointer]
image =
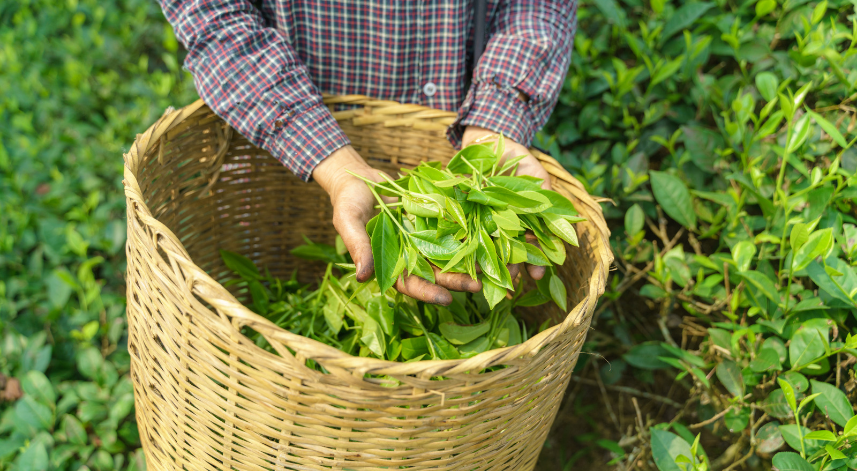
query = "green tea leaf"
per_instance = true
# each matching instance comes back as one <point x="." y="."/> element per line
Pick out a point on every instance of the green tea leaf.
<point x="560" y="205"/>
<point x="766" y="82"/>
<point x="333" y="314"/>
<point x="769" y="438"/>
<point x="34" y="458"/>
<point x="761" y="282"/>
<point x="414" y="347"/>
<point x="766" y="360"/>
<point x="36" y="385"/>
<point x="457" y="213"/>
<point x="562" y="228"/>
<point x="829" y="128"/>
<point x="422" y="205"/>
<point x="519" y="251"/>
<point x="821" y="435"/>
<point x="799" y="133"/>
<point x="515" y="183"/>
<point x="532" y="298"/>
<point x="373" y="338"/>
<point x="832" y="402"/>
<point x="558" y="293"/>
<point x="74" y="430"/>
<point x="479" y="156"/>
<point x="790" y="435"/>
<point x="493" y="293"/>
<point x="806" y="346"/>
<point x="788" y="461"/>
<point x="817" y="245"/>
<point x="379" y="310"/>
<point x="423" y="269"/>
<point x="634" y="220"/>
<point x="673" y="196"/>
<point x="666" y="448"/>
<point x="462" y="334"/>
<point x="444" y="349"/>
<point x="507" y="220"/>
<point x="788" y="393"/>
<point x="34" y="413"/>
<point x="240" y="265"/>
<point x="682" y="18"/>
<point x="433" y="248"/>
<point x="469" y="248"/>
<point x="799" y="235"/>
<point x="834" y="453"/>
<point x="743" y="253"/>
<point x="386" y="252"/>
<point x="487" y="256"/>
<point x="730" y="377"/>
<point x="323" y="252"/>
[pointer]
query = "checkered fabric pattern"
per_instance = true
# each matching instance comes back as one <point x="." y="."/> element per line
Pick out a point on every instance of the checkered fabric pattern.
<point x="263" y="67"/>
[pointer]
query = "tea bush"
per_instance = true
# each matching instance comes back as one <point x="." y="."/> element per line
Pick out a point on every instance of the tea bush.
<point x="78" y="79"/>
<point x="721" y="132"/>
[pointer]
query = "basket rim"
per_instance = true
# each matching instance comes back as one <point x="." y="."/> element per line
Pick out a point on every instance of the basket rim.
<point x="227" y="307"/>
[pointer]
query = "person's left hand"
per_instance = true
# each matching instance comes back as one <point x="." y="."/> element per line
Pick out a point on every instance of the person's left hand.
<point x="529" y="165"/>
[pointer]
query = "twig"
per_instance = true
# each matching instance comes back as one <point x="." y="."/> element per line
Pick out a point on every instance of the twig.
<point x="607" y="403"/>
<point x="728" y="455"/>
<point x="639" y="273"/>
<point x="712" y="420"/>
<point x="630" y="391"/>
<point x="742" y="460"/>
<point x="640" y="427"/>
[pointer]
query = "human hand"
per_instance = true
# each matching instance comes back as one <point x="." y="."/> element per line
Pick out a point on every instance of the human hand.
<point x="529" y="165"/>
<point x="354" y="205"/>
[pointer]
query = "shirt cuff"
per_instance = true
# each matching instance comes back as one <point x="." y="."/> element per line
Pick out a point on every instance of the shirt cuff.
<point x="301" y="140"/>
<point x="497" y="109"/>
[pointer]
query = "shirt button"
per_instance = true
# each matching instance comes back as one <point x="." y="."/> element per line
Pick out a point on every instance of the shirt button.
<point x="430" y="89"/>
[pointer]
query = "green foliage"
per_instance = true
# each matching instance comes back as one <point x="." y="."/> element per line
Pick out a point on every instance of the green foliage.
<point x="722" y="131"/>
<point x="78" y="80"/>
<point x="469" y="213"/>
<point x="724" y="135"/>
<point x="369" y="320"/>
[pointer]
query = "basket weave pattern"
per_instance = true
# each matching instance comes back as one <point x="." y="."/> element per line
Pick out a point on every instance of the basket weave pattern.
<point x="208" y="399"/>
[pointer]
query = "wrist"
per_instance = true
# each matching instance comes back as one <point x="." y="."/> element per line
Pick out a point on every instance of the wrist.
<point x="331" y="171"/>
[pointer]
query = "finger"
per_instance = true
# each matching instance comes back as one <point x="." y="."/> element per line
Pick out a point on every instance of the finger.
<point x="536" y="272"/>
<point x="514" y="270"/>
<point x="422" y="290"/>
<point x="532" y="167"/>
<point x="456" y="281"/>
<point x="353" y="233"/>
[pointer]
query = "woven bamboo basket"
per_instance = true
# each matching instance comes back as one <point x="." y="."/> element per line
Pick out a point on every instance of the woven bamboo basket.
<point x="207" y="398"/>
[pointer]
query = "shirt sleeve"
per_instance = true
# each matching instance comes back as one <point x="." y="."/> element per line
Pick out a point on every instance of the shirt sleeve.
<point x="528" y="51"/>
<point x="252" y="78"/>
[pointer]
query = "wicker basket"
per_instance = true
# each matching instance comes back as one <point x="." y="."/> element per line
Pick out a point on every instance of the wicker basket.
<point x="208" y="398"/>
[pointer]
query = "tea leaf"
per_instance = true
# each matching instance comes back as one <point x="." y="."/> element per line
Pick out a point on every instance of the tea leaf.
<point x="673" y="196"/>
<point x="386" y="253"/>
<point x="462" y="334"/>
<point x="832" y="402"/>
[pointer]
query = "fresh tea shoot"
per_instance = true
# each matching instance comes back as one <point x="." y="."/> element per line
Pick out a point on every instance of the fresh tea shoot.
<point x="470" y="217"/>
<point x="364" y="319"/>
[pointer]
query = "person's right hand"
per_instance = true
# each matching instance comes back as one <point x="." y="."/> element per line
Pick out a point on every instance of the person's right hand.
<point x="354" y="205"/>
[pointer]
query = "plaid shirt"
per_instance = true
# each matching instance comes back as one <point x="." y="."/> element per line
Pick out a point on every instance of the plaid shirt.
<point x="263" y="68"/>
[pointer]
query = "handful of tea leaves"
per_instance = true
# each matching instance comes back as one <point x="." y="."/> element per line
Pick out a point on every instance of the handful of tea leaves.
<point x="467" y="213"/>
<point x="362" y="319"/>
